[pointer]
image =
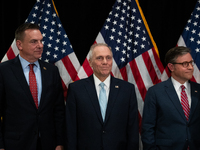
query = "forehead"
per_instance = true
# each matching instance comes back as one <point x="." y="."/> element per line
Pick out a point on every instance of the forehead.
<point x="101" y="50"/>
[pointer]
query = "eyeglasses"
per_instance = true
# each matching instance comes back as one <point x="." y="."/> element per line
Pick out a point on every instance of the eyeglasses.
<point x="186" y="64"/>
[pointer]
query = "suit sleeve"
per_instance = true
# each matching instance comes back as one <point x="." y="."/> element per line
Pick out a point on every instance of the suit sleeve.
<point x="59" y="110"/>
<point x="2" y="98"/>
<point x="71" y="124"/>
<point x="133" y="126"/>
<point x="149" y="121"/>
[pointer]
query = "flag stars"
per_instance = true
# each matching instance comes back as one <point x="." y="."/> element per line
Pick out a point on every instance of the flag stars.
<point x="118" y="41"/>
<point x="56" y="48"/>
<point x="187" y="28"/>
<point x="65" y="36"/>
<point x="48" y="5"/>
<point x="196" y="16"/>
<point x="142" y="46"/>
<point x="58" y="33"/>
<point x="116" y="15"/>
<point x="117" y="48"/>
<point x="49" y="45"/>
<point x="106" y="27"/>
<point x="113" y="30"/>
<point x="36" y="7"/>
<point x="138" y="28"/>
<point x="124" y="52"/>
<point x="55" y="56"/>
<point x="195" y="23"/>
<point x="122" y="59"/>
<point x="48" y="53"/>
<point x="143" y="38"/>
<point x="108" y="19"/>
<point x="193" y="31"/>
<point x="198" y="42"/>
<point x="46" y="60"/>
<point x="192" y="39"/>
<point x="52" y="30"/>
<point x="63" y="51"/>
<point x="64" y="43"/>
<point x="111" y="37"/>
<point x="57" y="40"/>
<point x="46" y="19"/>
<point x="45" y="27"/>
<point x="50" y="38"/>
<point x="134" y="51"/>
<point x="53" y="23"/>
<point x="120" y="33"/>
<point x="54" y="15"/>
<point x="34" y="15"/>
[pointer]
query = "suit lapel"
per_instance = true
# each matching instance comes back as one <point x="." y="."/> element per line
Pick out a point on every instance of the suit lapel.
<point x="44" y="76"/>
<point x="174" y="97"/>
<point x="19" y="74"/>
<point x="194" y="98"/>
<point x="91" y="90"/>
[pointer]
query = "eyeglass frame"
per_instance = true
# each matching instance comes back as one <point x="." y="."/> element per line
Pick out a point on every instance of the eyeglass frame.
<point x="185" y="64"/>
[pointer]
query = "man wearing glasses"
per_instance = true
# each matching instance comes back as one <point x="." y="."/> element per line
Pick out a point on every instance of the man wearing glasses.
<point x="171" y="115"/>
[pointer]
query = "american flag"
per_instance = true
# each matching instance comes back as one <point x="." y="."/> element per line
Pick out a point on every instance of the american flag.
<point x="191" y="38"/>
<point x="134" y="51"/>
<point x="57" y="47"/>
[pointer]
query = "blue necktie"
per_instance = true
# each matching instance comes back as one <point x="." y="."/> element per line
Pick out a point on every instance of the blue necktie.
<point x="103" y="100"/>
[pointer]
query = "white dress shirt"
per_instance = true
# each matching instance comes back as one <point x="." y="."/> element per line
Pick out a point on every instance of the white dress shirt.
<point x="178" y="89"/>
<point x="106" y="86"/>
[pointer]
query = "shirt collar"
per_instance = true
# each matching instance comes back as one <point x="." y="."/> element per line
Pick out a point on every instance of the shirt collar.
<point x="25" y="63"/>
<point x="106" y="82"/>
<point x="177" y="84"/>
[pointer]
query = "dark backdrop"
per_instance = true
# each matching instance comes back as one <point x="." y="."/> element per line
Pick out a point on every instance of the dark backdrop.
<point x="83" y="19"/>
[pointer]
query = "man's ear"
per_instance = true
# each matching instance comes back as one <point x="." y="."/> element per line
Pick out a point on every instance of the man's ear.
<point x="19" y="44"/>
<point x="170" y="66"/>
<point x="90" y="62"/>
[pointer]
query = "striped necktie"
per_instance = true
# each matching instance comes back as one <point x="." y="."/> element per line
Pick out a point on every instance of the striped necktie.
<point x="184" y="102"/>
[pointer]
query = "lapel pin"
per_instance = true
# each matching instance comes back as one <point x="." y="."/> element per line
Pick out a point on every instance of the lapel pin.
<point x="44" y="68"/>
<point x="116" y="86"/>
<point x="195" y="91"/>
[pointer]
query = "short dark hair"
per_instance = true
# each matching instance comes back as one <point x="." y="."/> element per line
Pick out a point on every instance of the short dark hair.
<point x="175" y="52"/>
<point x="19" y="33"/>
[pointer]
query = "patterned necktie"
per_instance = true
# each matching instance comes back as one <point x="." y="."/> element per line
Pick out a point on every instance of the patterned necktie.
<point x="33" y="84"/>
<point x="184" y="102"/>
<point x="103" y="100"/>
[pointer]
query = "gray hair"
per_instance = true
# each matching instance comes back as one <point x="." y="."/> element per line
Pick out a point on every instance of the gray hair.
<point x="95" y="45"/>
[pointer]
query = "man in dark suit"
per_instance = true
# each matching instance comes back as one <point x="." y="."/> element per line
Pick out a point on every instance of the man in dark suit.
<point x="171" y="115"/>
<point x="30" y="122"/>
<point x="91" y="126"/>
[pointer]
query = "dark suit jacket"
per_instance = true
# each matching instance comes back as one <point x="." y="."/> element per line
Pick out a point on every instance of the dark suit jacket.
<point x="22" y="121"/>
<point x="164" y="126"/>
<point x="85" y="127"/>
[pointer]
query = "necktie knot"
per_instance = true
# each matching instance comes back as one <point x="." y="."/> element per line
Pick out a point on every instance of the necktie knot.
<point x="182" y="87"/>
<point x="31" y="66"/>
<point x="102" y="85"/>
